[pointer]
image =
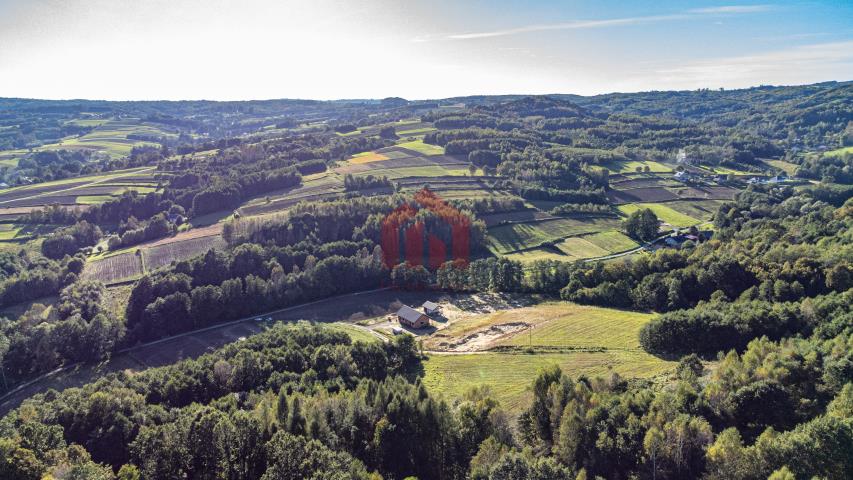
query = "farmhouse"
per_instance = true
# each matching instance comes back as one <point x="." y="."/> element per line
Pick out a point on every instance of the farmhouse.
<point x="430" y="308"/>
<point x="684" y="176"/>
<point x="410" y="317"/>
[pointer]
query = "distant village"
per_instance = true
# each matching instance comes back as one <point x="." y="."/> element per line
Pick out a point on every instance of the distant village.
<point x="689" y="171"/>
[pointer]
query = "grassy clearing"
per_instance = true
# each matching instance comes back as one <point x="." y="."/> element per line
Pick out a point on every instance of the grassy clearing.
<point x="8" y="231"/>
<point x="700" y="209"/>
<point x="416" y="131"/>
<point x="839" y="152"/>
<point x="88" y="122"/>
<point x="355" y="333"/>
<point x="421" y="147"/>
<point x="579" y="247"/>
<point x="529" y="256"/>
<point x="11" y="232"/>
<point x="348" y="134"/>
<point x="663" y="212"/>
<point x="581" y="340"/>
<point x="571" y="326"/>
<point x="370" y="157"/>
<point x="787" y="167"/>
<point x="631" y="167"/>
<point x="93" y="199"/>
<point x="510" y="375"/>
<point x="612" y="241"/>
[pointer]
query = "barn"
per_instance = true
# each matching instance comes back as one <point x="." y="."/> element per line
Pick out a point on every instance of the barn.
<point x="430" y="308"/>
<point x="412" y="318"/>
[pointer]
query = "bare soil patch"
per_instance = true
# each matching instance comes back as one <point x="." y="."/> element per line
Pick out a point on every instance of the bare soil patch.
<point x="483" y="339"/>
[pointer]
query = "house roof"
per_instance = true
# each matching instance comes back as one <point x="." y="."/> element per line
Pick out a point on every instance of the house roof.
<point x="430" y="305"/>
<point x="408" y="313"/>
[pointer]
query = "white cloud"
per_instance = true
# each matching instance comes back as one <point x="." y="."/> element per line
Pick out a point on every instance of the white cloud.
<point x="733" y="9"/>
<point x="614" y="22"/>
<point x="801" y="64"/>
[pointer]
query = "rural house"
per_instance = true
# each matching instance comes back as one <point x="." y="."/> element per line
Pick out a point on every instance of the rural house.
<point x="410" y="317"/>
<point x="430" y="308"/>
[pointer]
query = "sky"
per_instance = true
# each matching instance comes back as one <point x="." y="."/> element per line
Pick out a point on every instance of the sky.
<point x="322" y="49"/>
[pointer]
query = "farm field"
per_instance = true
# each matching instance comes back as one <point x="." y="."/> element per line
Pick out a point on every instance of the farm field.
<point x="630" y="167"/>
<point x="125" y="264"/>
<point x="66" y="191"/>
<point x="839" y="152"/>
<point x="664" y="213"/>
<point x="115" y="268"/>
<point x="536" y="254"/>
<point x="14" y="232"/>
<point x="420" y="171"/>
<point x="699" y="209"/>
<point x="421" y="147"/>
<point x="109" y="137"/>
<point x="787" y="167"/>
<point x="508" y="375"/>
<point x="367" y="157"/>
<point x="508" y="238"/>
<point x="519" y="216"/>
<point x="580" y="247"/>
<point x="164" y="254"/>
<point x="612" y="241"/>
<point x="415" y="131"/>
<point x="519" y="342"/>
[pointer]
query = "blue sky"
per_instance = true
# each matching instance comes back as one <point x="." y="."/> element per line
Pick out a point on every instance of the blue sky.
<point x="255" y="49"/>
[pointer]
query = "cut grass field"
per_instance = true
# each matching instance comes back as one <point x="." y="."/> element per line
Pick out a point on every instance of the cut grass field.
<point x="631" y="166"/>
<point x="355" y="333"/>
<point x="510" y="375"/>
<point x="839" y="152"/>
<point x="367" y="157"/>
<point x="517" y="236"/>
<point x="536" y="254"/>
<point x="581" y="340"/>
<point x="663" y="212"/>
<point x="421" y="147"/>
<point x="580" y="247"/>
<point x="422" y="171"/>
<point x="416" y="131"/>
<point x="787" y="167"/>
<point x="612" y="241"/>
<point x="700" y="209"/>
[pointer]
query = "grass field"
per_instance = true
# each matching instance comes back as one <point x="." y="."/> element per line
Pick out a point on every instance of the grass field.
<point x="508" y="238"/>
<point x="88" y="122"/>
<point x="111" y="137"/>
<point x="699" y="209"/>
<point x="581" y="340"/>
<point x="11" y="232"/>
<point x="612" y="241"/>
<point x="355" y="333"/>
<point x="416" y="131"/>
<point x="510" y="375"/>
<point x="536" y="254"/>
<point x="839" y="152"/>
<point x="580" y="247"/>
<point x="422" y="171"/>
<point x="631" y="167"/>
<point x="370" y="157"/>
<point x="421" y="147"/>
<point x="664" y="213"/>
<point x="787" y="167"/>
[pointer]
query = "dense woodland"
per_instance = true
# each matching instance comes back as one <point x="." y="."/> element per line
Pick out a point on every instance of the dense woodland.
<point x="768" y="298"/>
